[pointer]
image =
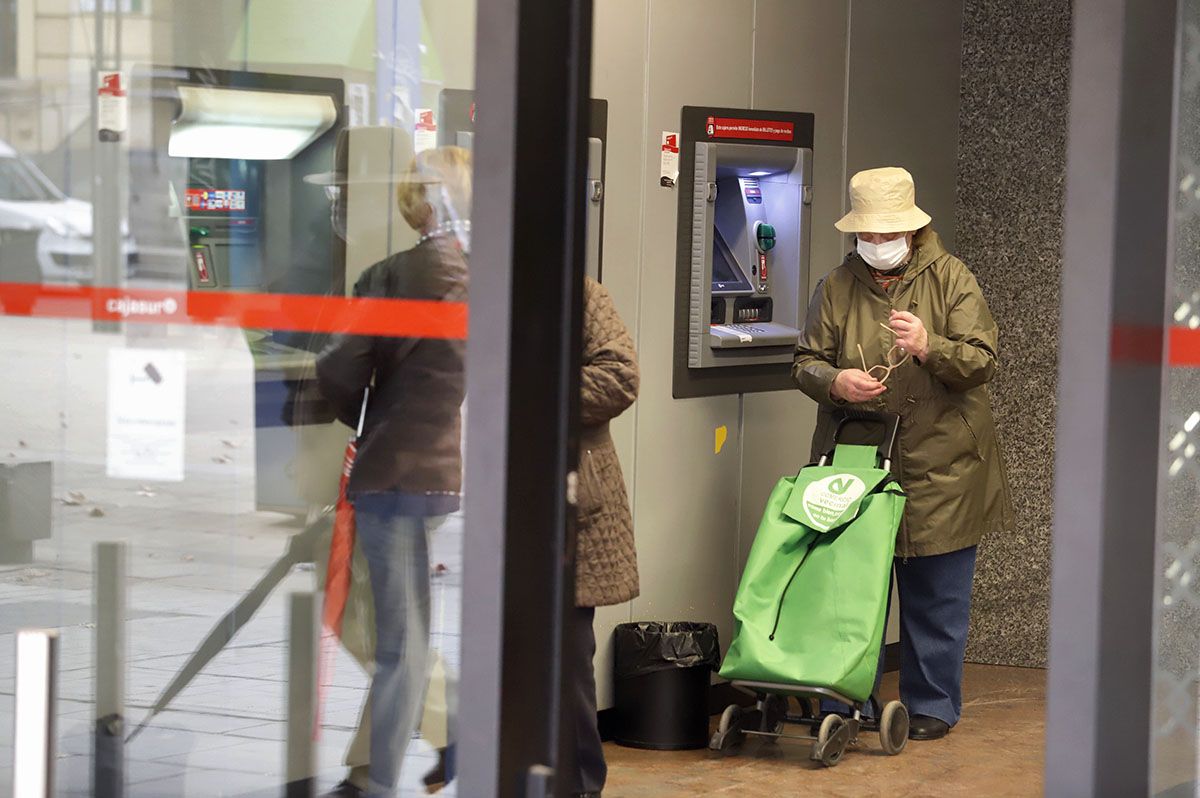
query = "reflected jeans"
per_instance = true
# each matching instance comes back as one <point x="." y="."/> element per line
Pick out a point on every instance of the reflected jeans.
<point x="397" y="552"/>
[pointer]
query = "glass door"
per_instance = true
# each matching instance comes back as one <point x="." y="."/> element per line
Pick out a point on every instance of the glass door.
<point x="267" y="351"/>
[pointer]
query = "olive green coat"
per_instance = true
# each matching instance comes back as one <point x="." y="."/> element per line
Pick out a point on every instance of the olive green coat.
<point x="949" y="458"/>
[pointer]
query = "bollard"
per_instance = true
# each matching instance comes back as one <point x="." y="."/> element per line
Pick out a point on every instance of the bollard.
<point x="108" y="742"/>
<point x="33" y="733"/>
<point x="303" y="647"/>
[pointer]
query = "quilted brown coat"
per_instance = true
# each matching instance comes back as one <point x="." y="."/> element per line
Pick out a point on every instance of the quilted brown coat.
<point x="606" y="560"/>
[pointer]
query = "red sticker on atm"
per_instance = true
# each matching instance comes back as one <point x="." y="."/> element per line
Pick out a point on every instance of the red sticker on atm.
<point x="203" y="275"/>
<point x="762" y="129"/>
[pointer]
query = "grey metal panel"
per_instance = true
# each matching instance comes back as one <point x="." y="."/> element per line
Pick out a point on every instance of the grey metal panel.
<point x="800" y="64"/>
<point x="519" y="552"/>
<point x="685" y="496"/>
<point x="903" y="97"/>
<point x="703" y="209"/>
<point x="303" y="653"/>
<point x="619" y="75"/>
<point x="595" y="200"/>
<point x="485" y="502"/>
<point x="1117" y="249"/>
<point x="109" y="653"/>
<point x="789" y="287"/>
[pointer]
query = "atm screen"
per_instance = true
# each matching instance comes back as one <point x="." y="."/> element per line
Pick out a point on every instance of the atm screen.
<point x="727" y="277"/>
<point x="223" y="189"/>
<point x="222" y="201"/>
<point x="218" y="200"/>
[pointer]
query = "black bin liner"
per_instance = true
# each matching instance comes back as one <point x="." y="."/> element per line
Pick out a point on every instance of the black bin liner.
<point x="662" y="674"/>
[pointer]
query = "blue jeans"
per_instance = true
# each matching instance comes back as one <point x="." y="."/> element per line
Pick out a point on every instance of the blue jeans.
<point x="935" y="608"/>
<point x="397" y="552"/>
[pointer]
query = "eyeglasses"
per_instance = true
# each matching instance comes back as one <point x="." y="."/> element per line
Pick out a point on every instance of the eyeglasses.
<point x="890" y="364"/>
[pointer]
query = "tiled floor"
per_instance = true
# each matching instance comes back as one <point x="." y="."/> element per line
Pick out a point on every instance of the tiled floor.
<point x="995" y="751"/>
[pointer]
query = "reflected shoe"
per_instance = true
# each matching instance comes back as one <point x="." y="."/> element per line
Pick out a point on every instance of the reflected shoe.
<point x="436" y="779"/>
<point x="923" y="727"/>
<point x="345" y="790"/>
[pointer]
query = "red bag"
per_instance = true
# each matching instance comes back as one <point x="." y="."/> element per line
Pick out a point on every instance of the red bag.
<point x="338" y="572"/>
<point x="341" y="552"/>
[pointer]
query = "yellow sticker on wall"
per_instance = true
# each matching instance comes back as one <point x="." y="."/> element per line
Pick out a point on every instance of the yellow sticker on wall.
<point x="722" y="435"/>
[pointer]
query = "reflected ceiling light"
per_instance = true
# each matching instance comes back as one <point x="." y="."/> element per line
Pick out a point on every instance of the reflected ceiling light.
<point x="238" y="124"/>
<point x="759" y="174"/>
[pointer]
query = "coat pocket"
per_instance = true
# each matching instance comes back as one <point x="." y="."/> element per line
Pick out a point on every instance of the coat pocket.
<point x="590" y="488"/>
<point x="972" y="437"/>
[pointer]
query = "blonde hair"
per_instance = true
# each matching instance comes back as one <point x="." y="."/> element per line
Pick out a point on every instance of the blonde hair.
<point x="447" y="168"/>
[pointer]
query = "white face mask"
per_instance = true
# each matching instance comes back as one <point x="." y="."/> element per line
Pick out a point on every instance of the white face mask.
<point x="885" y="256"/>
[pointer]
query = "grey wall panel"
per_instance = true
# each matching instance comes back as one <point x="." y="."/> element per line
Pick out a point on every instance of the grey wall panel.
<point x="902" y="107"/>
<point x="685" y="502"/>
<point x="799" y="65"/>
<point x="619" y="76"/>
<point x="904" y="96"/>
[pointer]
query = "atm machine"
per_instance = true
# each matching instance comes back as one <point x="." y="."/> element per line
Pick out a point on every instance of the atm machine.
<point x="745" y="199"/>
<point x="239" y="145"/>
<point x="456" y="126"/>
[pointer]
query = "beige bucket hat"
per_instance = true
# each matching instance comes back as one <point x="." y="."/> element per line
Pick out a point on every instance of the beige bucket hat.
<point x="883" y="201"/>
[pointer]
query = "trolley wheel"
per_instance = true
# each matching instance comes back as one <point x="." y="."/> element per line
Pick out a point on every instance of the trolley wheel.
<point x="729" y="730"/>
<point x="893" y="728"/>
<point x="832" y="740"/>
<point x="774" y="710"/>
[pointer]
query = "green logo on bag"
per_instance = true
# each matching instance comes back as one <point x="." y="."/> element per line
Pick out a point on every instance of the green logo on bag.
<point x="840" y="486"/>
<point x="826" y="500"/>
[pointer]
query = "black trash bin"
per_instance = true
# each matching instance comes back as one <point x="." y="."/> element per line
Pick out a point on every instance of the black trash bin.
<point x="662" y="676"/>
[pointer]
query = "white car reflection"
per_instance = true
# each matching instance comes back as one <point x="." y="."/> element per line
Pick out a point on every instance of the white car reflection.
<point x="31" y="204"/>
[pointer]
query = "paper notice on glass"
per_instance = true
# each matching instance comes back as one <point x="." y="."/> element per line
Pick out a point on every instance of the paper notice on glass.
<point x="146" y="406"/>
<point x="425" y="134"/>
<point x="358" y="101"/>
<point x="112" y="118"/>
<point x="670" y="159"/>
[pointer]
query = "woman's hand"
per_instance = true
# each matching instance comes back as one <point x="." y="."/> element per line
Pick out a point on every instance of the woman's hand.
<point x="910" y="334"/>
<point x="856" y="386"/>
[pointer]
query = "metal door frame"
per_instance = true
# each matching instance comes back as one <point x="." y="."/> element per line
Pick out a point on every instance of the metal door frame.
<point x="1118" y="252"/>
<point x="533" y="80"/>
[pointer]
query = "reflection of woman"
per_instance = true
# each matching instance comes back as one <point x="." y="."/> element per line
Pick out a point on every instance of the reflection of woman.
<point x="408" y="473"/>
<point x="606" y="561"/>
<point x="942" y="340"/>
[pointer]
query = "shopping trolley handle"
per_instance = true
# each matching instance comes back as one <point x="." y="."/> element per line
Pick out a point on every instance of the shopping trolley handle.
<point x="889" y="421"/>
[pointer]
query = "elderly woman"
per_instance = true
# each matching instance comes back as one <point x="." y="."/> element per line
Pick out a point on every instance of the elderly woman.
<point x="408" y="474"/>
<point x="902" y="327"/>
<point x="606" y="557"/>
